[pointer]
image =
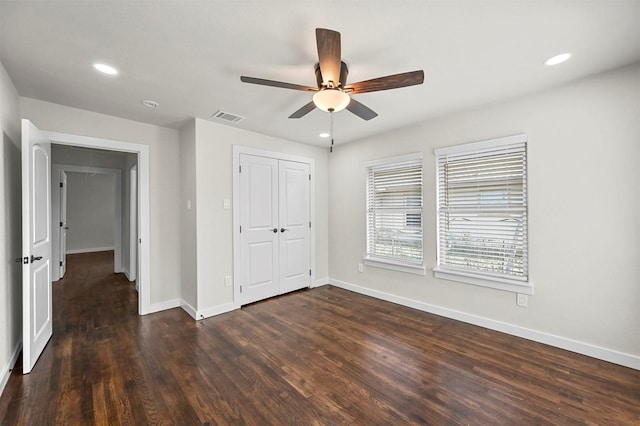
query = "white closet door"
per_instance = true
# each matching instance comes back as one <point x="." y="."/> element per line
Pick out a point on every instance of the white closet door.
<point x="275" y="234"/>
<point x="259" y="228"/>
<point x="295" y="232"/>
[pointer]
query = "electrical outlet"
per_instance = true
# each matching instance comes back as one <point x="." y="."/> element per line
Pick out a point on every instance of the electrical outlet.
<point x="360" y="267"/>
<point x="522" y="300"/>
<point x="227" y="281"/>
<point x="226" y="204"/>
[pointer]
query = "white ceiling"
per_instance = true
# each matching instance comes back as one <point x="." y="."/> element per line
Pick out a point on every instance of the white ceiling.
<point x="189" y="55"/>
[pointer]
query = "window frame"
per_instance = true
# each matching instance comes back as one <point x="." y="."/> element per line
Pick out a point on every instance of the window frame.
<point x="478" y="277"/>
<point x="396" y="264"/>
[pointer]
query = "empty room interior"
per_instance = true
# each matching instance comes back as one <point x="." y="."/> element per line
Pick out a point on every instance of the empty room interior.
<point x="320" y="212"/>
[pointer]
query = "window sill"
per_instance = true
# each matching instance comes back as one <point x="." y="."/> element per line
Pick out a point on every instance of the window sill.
<point x="505" y="284"/>
<point x="395" y="266"/>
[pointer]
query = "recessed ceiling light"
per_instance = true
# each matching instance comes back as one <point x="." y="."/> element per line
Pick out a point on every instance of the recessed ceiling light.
<point x="324" y="135"/>
<point x="558" y="59"/>
<point x="150" y="104"/>
<point x="107" y="69"/>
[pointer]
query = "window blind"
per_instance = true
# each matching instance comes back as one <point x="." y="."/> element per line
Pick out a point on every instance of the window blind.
<point x="394" y="210"/>
<point x="482" y="208"/>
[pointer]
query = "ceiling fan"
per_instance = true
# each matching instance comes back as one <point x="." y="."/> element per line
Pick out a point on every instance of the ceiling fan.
<point x="333" y="94"/>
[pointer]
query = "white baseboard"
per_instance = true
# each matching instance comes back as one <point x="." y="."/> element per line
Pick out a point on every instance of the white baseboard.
<point x="6" y="370"/>
<point x="163" y="306"/>
<point x="319" y="282"/>
<point x="189" y="309"/>
<point x="90" y="250"/>
<point x="209" y="312"/>
<point x="627" y="360"/>
<point x="216" y="310"/>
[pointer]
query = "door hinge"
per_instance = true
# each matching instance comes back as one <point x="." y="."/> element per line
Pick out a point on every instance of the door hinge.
<point x="241" y="229"/>
<point x="309" y="224"/>
<point x="239" y="169"/>
<point x="61" y="224"/>
<point x="309" y="176"/>
<point x="309" y="272"/>
<point x="61" y="185"/>
<point x="240" y="289"/>
<point x="61" y="263"/>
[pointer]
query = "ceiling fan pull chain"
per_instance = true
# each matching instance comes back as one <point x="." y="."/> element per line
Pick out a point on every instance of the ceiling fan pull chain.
<point x="331" y="129"/>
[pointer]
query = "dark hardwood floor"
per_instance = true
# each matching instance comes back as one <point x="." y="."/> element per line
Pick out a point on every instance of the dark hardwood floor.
<point x="321" y="356"/>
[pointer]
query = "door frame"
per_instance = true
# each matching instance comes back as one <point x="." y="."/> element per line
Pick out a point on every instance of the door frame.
<point x="55" y="213"/>
<point x="144" y="233"/>
<point x="133" y="224"/>
<point x="237" y="151"/>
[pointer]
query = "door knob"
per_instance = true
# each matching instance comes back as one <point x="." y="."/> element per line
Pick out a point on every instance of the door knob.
<point x="283" y="229"/>
<point x="34" y="258"/>
<point x="275" y="230"/>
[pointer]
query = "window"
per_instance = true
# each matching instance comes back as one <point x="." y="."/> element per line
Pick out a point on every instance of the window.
<point x="394" y="213"/>
<point x="482" y="213"/>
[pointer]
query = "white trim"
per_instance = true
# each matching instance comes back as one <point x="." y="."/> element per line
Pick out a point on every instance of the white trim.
<point x="189" y="309"/>
<point x="163" y="306"/>
<point x="609" y="355"/>
<point x="237" y="150"/>
<point x="7" y="369"/>
<point x="515" y="286"/>
<point x="394" y="265"/>
<point x="209" y="312"/>
<point x="216" y="310"/>
<point x="482" y="145"/>
<point x="91" y="250"/>
<point x="416" y="156"/>
<point x="319" y="282"/>
<point x="143" y="281"/>
<point x="133" y="223"/>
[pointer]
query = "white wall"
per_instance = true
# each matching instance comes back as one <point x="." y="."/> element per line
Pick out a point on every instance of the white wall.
<point x="91" y="213"/>
<point x="189" y="284"/>
<point x="164" y="180"/>
<point x="584" y="205"/>
<point x="10" y="227"/>
<point x="214" y="182"/>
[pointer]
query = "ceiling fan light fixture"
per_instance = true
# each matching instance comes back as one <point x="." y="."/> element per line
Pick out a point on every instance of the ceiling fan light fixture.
<point x="333" y="100"/>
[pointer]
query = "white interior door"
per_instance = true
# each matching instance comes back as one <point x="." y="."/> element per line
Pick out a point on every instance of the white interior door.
<point x="275" y="235"/>
<point x="295" y="227"/>
<point x="259" y="228"/>
<point x="36" y="244"/>
<point x="63" y="223"/>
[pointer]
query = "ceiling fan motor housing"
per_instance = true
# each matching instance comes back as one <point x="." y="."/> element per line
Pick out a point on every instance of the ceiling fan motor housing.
<point x="344" y="72"/>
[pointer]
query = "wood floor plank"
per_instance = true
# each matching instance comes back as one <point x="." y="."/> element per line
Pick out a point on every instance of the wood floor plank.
<point x="315" y="357"/>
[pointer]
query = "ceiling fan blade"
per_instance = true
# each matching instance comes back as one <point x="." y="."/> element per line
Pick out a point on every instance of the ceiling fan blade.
<point x="329" y="55"/>
<point x="385" y="83"/>
<point x="361" y="110"/>
<point x="273" y="83"/>
<point x="304" y="110"/>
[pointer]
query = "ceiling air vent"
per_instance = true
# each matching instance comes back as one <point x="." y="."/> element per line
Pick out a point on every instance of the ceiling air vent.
<point x="227" y="116"/>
